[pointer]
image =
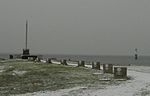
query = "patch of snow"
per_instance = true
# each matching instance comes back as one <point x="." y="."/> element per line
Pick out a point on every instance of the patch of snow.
<point x="138" y="86"/>
<point x="55" y="62"/>
<point x="72" y="63"/>
<point x="98" y="73"/>
<point x="43" y="61"/>
<point x="2" y="71"/>
<point x="19" y="72"/>
<point x="2" y="67"/>
<point x="101" y="67"/>
<point x="62" y="92"/>
<point x="129" y="88"/>
<point x="89" y="66"/>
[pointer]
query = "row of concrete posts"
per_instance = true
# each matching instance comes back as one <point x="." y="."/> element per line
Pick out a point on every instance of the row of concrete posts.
<point x="119" y="72"/>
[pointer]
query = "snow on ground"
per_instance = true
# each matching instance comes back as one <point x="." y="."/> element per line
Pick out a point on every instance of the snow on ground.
<point x="89" y="66"/>
<point x="43" y="61"/>
<point x="63" y="92"/>
<point x="139" y="85"/>
<point x="75" y="64"/>
<point x="55" y="62"/>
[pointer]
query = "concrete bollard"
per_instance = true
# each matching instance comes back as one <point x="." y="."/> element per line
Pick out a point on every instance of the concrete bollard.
<point x="108" y="68"/>
<point x="49" y="60"/>
<point x="34" y="58"/>
<point x="120" y="72"/>
<point x="98" y="65"/>
<point x="78" y="62"/>
<point x="11" y="56"/>
<point x="81" y="64"/>
<point x="38" y="59"/>
<point x="61" y="61"/>
<point x="64" y="62"/>
<point x="30" y="59"/>
<point x="93" y="65"/>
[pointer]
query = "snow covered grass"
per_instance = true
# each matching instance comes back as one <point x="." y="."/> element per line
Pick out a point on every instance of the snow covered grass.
<point x="138" y="85"/>
<point x="41" y="79"/>
<point x="21" y="77"/>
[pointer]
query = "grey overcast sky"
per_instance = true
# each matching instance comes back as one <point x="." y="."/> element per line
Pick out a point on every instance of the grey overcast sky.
<point x="94" y="27"/>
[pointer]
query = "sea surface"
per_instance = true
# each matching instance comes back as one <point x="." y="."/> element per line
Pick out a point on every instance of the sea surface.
<point x="142" y="60"/>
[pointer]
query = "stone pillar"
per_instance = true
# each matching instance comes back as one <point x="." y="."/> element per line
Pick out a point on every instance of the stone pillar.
<point x="64" y="62"/>
<point x="120" y="72"/>
<point x="49" y="60"/>
<point x="34" y="58"/>
<point x="93" y="65"/>
<point x="98" y="65"/>
<point x="11" y="56"/>
<point x="108" y="68"/>
<point x="38" y="59"/>
<point x="81" y="64"/>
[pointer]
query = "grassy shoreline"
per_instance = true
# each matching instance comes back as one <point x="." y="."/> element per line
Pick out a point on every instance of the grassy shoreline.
<point x="19" y="77"/>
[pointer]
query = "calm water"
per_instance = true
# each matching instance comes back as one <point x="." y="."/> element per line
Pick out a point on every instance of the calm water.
<point x="142" y="60"/>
